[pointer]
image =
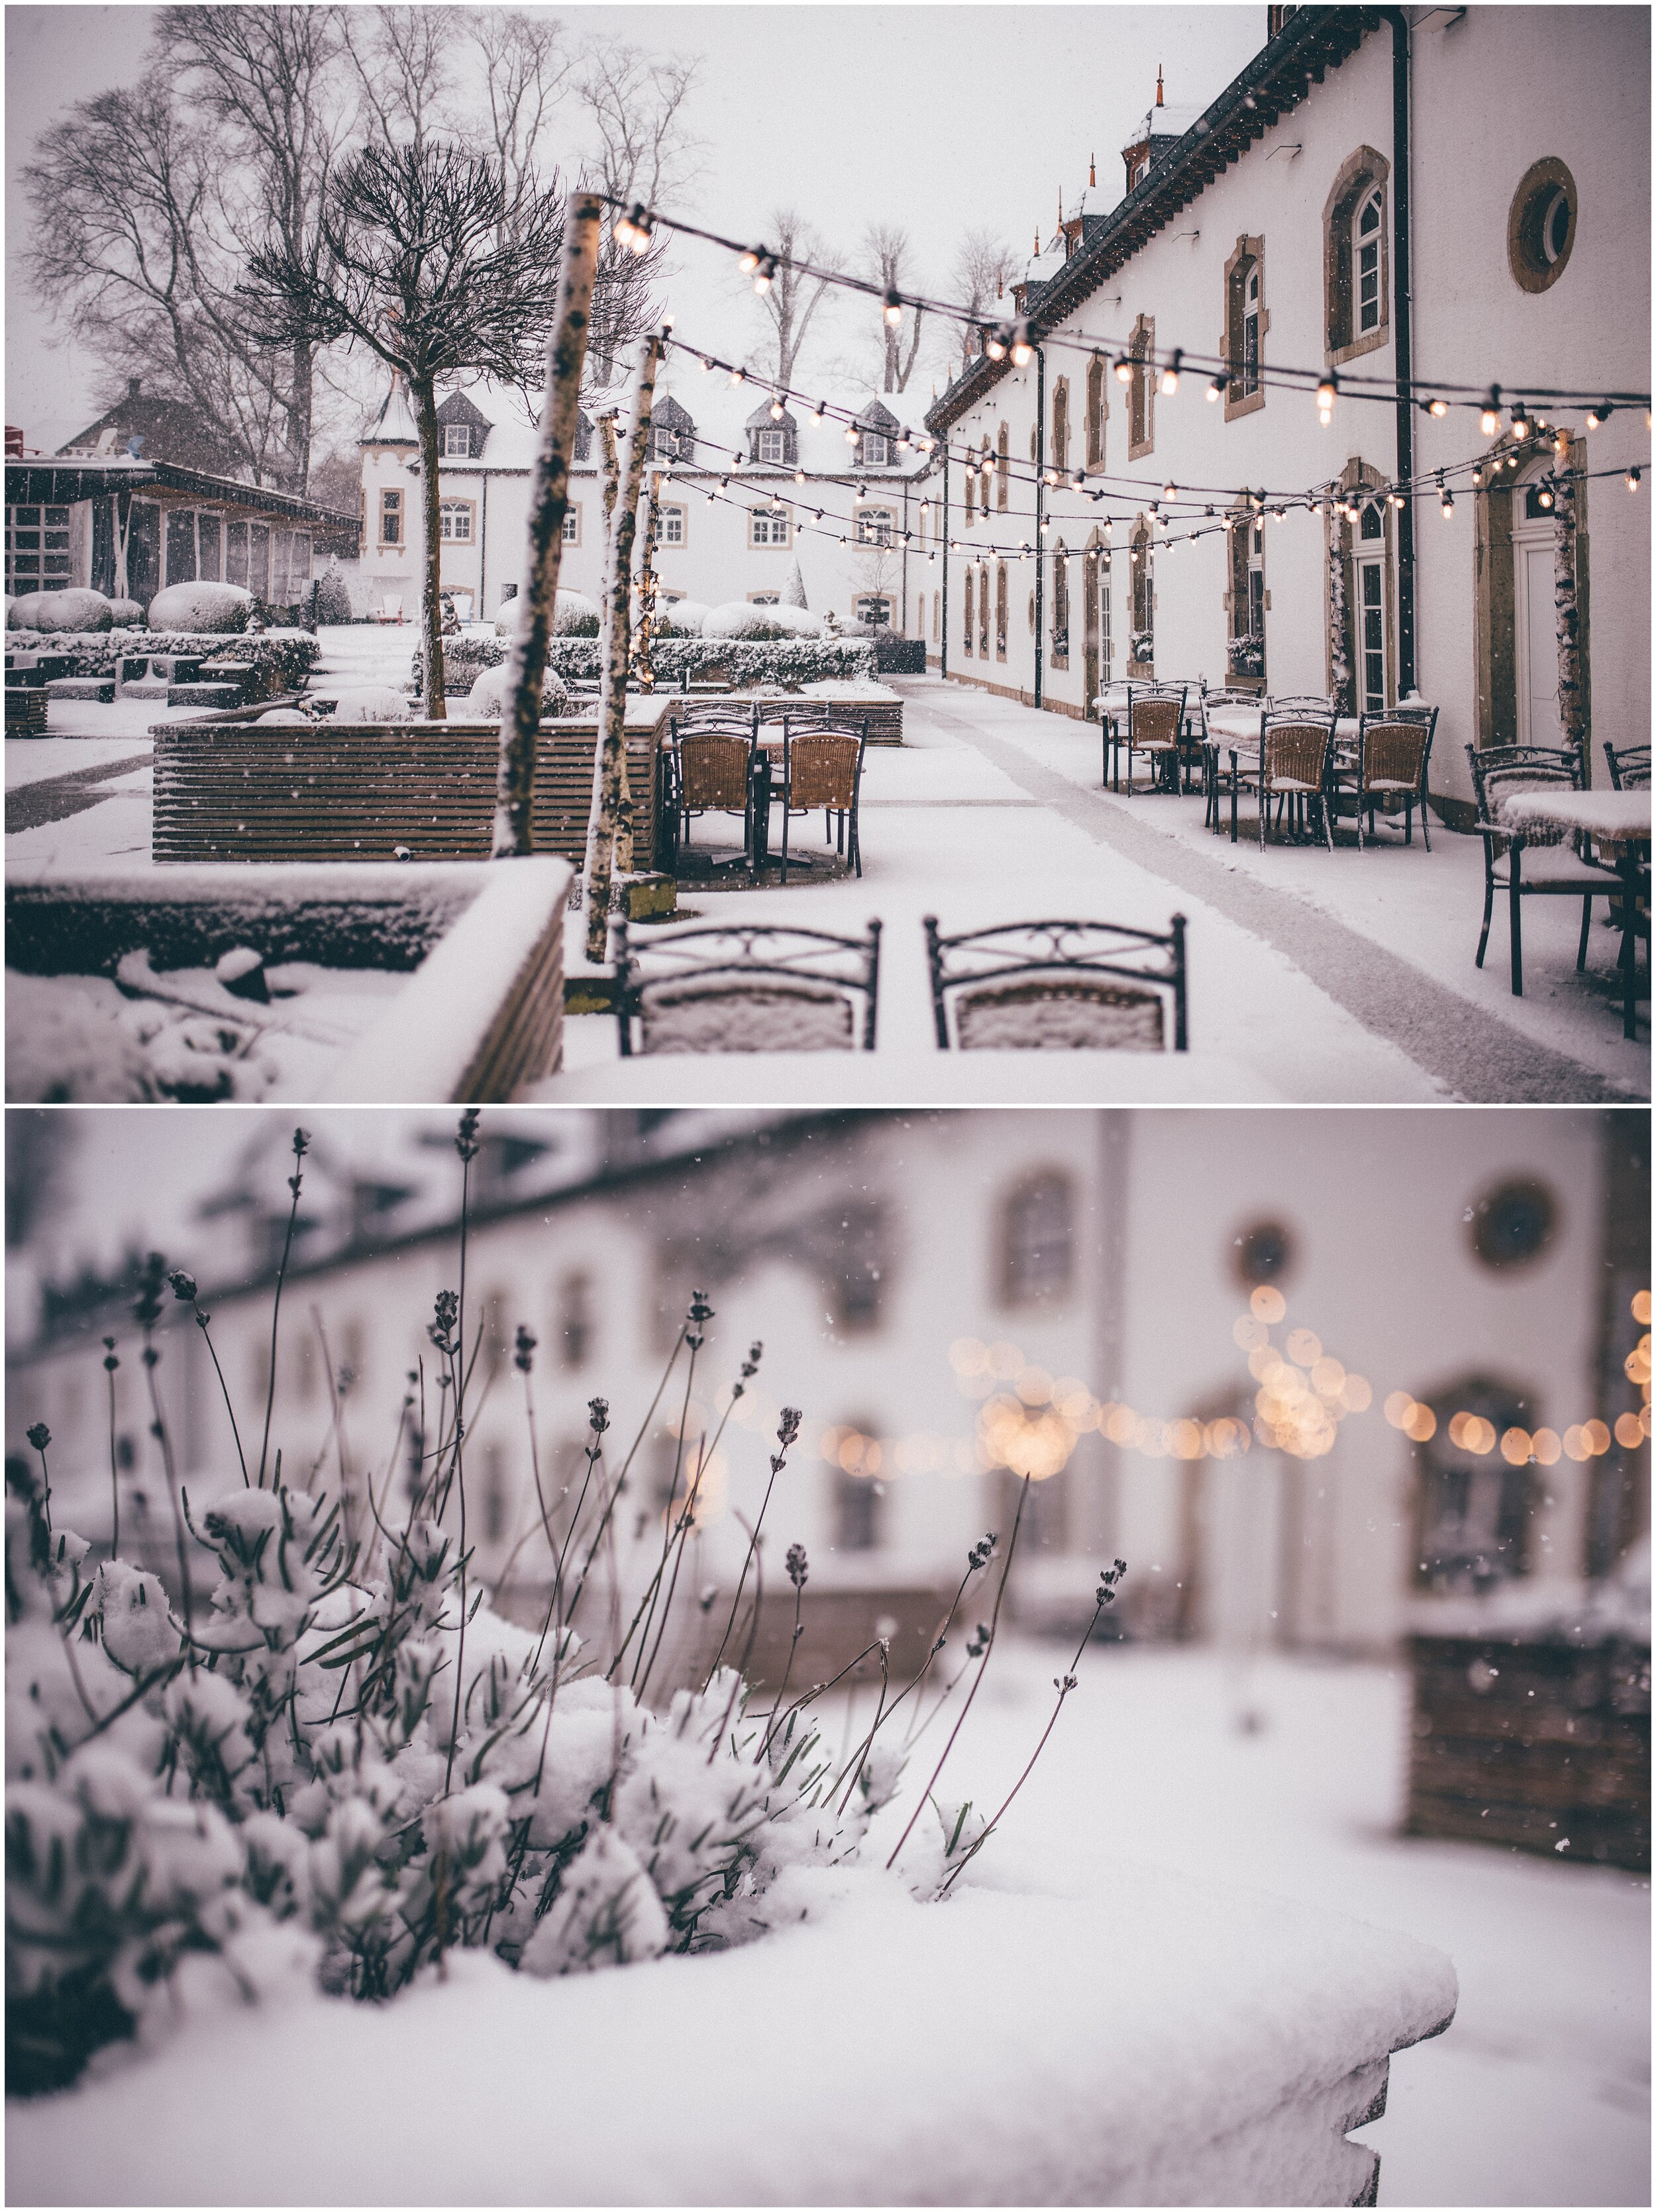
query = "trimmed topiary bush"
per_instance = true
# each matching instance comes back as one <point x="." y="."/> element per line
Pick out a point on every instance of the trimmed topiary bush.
<point x="220" y="610"/>
<point x="56" y="612"/>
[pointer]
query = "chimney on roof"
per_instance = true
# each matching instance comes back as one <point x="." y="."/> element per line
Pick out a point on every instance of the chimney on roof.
<point x="134" y="385"/>
<point x="1161" y="100"/>
<point x="1092" y="172"/>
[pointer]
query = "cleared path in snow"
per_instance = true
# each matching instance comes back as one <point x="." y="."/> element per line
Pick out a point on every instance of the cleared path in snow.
<point x="1482" y="1059"/>
<point x="54" y="798"/>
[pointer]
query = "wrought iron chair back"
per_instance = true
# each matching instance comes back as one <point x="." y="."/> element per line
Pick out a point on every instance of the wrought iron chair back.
<point x="1629" y="767"/>
<point x="1064" y="985"/>
<point x="746" y="989"/>
<point x="1299" y="702"/>
<point x="1500" y="771"/>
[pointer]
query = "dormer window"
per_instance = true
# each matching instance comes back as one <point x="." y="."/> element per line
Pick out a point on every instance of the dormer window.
<point x="1140" y="171"/>
<point x="876" y="449"/>
<point x="664" y="445"/>
<point x="771" y="446"/>
<point x="457" y="441"/>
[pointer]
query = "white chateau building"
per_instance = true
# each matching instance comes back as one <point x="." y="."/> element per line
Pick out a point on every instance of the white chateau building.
<point x="942" y="1294"/>
<point x="755" y="505"/>
<point x="1406" y="194"/>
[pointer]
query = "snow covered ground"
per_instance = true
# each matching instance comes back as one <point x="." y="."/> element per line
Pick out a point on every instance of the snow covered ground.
<point x="1318" y="976"/>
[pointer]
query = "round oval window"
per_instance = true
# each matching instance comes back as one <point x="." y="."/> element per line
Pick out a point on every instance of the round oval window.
<point x="1555" y="225"/>
<point x="1264" y="1253"/>
<point x="1541" y="225"/>
<point x="1513" y="1225"/>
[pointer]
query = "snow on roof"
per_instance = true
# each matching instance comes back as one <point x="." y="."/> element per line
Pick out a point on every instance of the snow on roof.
<point x="1171" y="120"/>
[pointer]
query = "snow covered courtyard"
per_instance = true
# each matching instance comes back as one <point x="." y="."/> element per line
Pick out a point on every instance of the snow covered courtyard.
<point x="1313" y="976"/>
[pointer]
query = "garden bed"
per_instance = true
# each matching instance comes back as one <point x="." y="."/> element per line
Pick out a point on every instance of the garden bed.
<point x="277" y="660"/>
<point x="232" y="788"/>
<point x="424" y="986"/>
<point x="1166" y="2041"/>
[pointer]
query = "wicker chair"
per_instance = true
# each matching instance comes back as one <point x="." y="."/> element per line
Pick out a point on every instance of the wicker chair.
<point x="1291" y="766"/>
<point x="1058" y="986"/>
<point x="1155" y="721"/>
<point x="1393" y="755"/>
<point x="1498" y="773"/>
<point x="822" y="766"/>
<point x="747" y="989"/>
<point x="713" y="772"/>
<point x="1630" y="768"/>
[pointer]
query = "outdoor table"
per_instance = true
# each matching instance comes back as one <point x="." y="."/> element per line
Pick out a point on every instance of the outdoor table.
<point x="916" y="1078"/>
<point x="1619" y="821"/>
<point x="1241" y="725"/>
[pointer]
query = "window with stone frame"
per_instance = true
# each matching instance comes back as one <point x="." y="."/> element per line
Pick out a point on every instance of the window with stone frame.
<point x="1472" y="1507"/>
<point x="1141" y="390"/>
<point x="875" y="450"/>
<point x="456" y="441"/>
<point x="770" y="526"/>
<point x="390" y="518"/>
<point x="1246" y="321"/>
<point x="1356" y="258"/>
<point x="1061" y="425"/>
<point x="1060" y="655"/>
<point x="1036" y="1257"/>
<point x="1142" y="644"/>
<point x="875" y="525"/>
<point x="970" y="614"/>
<point x="1000" y="595"/>
<point x="770" y="447"/>
<point x="1245" y="542"/>
<point x="873" y="608"/>
<point x="971" y="476"/>
<point x="1002" y="468"/>
<point x="454" y="521"/>
<point x="983" y="614"/>
<point x="1098" y="407"/>
<point x="572" y="523"/>
<point x="674" y="525"/>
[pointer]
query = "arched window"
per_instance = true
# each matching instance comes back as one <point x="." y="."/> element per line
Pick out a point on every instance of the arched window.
<point x="1472" y="1504"/>
<point x="1061" y="425"/>
<point x="1142" y="646"/>
<point x="1000" y="611"/>
<point x="1247" y="608"/>
<point x="1038" y="1246"/>
<point x="971" y="476"/>
<point x="1245" y="325"/>
<point x="983" y="613"/>
<point x="1097" y="407"/>
<point x="1355" y="253"/>
<point x="1141" y="402"/>
<point x="970" y="620"/>
<point x="1060" y="605"/>
<point x="1361" y="559"/>
<point x="1002" y="470"/>
<point x="1365" y="262"/>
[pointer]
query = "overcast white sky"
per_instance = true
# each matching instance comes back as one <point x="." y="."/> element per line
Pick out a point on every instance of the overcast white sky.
<point x="942" y="119"/>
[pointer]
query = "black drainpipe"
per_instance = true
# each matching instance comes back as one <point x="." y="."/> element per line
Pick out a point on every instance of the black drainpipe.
<point x="1040" y="465"/>
<point x="1402" y="284"/>
<point x="943" y="667"/>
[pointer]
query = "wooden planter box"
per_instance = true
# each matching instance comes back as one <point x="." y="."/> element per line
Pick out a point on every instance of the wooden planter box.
<point x="230" y="789"/>
<point x="1544" y="1744"/>
<point x="481" y="1012"/>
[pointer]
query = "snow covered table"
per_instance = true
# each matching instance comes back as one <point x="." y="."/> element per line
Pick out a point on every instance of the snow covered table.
<point x="407" y="986"/>
<point x="1620" y="822"/>
<point x="1167" y="2041"/>
<point x="893" y="1079"/>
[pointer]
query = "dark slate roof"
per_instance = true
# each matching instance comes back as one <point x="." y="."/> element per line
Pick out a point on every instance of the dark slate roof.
<point x="762" y="419"/>
<point x="876" y="416"/>
<point x="170" y="430"/>
<point x="457" y="408"/>
<point x="1312" y="41"/>
<point x="669" y="415"/>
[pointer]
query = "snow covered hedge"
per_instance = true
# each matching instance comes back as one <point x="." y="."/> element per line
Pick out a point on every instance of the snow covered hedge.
<point x="796" y="662"/>
<point x="347" y="1763"/>
<point x="59" y="612"/>
<point x="281" y="659"/>
<point x="221" y="610"/>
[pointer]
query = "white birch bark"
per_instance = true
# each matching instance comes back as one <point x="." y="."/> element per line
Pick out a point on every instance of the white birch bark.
<point x="609" y="757"/>
<point x="549" y="500"/>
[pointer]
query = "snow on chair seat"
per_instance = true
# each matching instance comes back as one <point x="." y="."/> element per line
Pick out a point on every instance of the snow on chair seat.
<point x="737" y="1013"/>
<point x="1060" y="1012"/>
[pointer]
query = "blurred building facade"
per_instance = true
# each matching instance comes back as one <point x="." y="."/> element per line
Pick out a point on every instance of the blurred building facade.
<point x="1199" y="1334"/>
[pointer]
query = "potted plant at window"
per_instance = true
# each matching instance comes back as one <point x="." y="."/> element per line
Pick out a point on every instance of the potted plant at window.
<point x="1247" y="656"/>
<point x="1141" y="653"/>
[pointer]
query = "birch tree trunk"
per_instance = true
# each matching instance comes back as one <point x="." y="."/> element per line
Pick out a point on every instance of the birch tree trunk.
<point x="549" y="500"/>
<point x="609" y="757"/>
<point x="1572" y="706"/>
<point x="610" y="456"/>
<point x="424" y="394"/>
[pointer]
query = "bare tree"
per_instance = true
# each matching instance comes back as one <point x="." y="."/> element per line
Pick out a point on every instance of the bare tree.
<point x="405" y="67"/>
<point x="886" y="256"/>
<point x="982" y="267"/>
<point x="791" y="300"/>
<point x="635" y="104"/>
<point x="434" y="264"/>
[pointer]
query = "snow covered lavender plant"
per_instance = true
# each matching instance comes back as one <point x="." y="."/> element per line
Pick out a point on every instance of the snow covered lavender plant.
<point x="350" y="1763"/>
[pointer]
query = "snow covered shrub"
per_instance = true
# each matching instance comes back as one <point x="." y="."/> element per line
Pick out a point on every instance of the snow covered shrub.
<point x="575" y="616"/>
<point x="681" y="618"/>
<point x="794" y="663"/>
<point x="486" y="700"/>
<point x="58" y="612"/>
<point x="371" y="702"/>
<point x="281" y="659"/>
<point x="218" y="609"/>
<point x="125" y="614"/>
<point x="348" y="1761"/>
<point x="761" y="625"/>
<point x="332" y="597"/>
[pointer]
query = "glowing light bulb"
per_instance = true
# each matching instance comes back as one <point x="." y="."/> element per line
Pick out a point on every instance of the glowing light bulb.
<point x="1327" y="391"/>
<point x="1218" y="388"/>
<point x="1634" y="478"/>
<point x="1170" y="375"/>
<point x="747" y="262"/>
<point x="1022" y="351"/>
<point x="893" y="309"/>
<point x="1124" y="370"/>
<point x="1437" y="407"/>
<point x="633" y="229"/>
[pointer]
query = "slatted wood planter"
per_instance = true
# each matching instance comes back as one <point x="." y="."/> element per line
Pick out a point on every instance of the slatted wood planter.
<point x="481" y="1012"/>
<point x="234" y="790"/>
<point x="1544" y="1745"/>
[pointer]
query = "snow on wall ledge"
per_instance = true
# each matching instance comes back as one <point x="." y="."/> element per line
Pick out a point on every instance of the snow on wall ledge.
<point x="1164" y="2041"/>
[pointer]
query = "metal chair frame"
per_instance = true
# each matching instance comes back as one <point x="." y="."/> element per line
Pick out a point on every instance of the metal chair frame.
<point x="1215" y="777"/>
<point x="1263" y="777"/>
<point x="994" y="958"/>
<point x="1629" y="767"/>
<point x="747" y="951"/>
<point x="1141" y="694"/>
<point x="1542" y="765"/>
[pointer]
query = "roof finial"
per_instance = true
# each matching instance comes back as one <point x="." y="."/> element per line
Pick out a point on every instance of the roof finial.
<point x="1038" y="245"/>
<point x="1161" y="100"/>
<point x="1092" y="171"/>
